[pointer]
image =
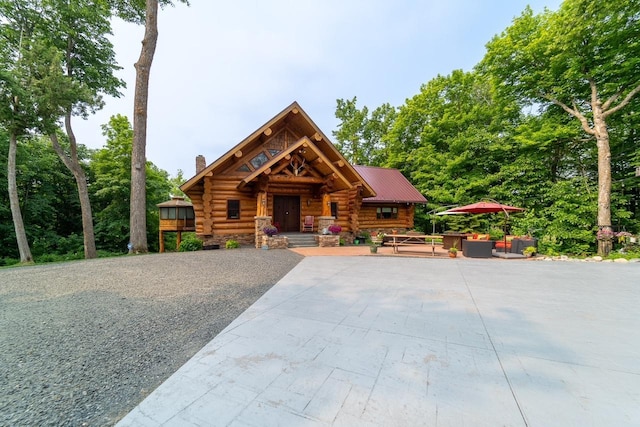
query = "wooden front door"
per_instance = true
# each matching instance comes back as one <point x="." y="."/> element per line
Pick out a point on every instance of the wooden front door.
<point x="286" y="213"/>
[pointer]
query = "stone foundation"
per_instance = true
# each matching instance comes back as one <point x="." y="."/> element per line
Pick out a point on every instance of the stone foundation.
<point x="261" y="223"/>
<point x="243" y="239"/>
<point x="275" y="242"/>
<point x="324" y="222"/>
<point x="328" y="240"/>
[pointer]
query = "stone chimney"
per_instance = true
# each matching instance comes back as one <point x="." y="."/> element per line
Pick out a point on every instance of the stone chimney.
<point x="201" y="163"/>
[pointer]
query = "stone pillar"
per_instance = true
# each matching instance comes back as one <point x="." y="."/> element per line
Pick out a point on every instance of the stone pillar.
<point x="324" y="222"/>
<point x="261" y="222"/>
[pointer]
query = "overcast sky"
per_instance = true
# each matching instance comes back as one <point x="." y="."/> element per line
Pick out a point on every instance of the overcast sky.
<point x="223" y="69"/>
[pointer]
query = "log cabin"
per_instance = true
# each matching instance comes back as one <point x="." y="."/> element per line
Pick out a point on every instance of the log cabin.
<point x="288" y="170"/>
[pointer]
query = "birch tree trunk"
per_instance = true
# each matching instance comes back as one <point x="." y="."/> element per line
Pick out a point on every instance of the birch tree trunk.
<point x="138" y="215"/>
<point x="14" y="201"/>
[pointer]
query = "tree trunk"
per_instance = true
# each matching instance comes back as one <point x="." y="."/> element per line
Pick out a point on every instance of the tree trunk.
<point x="73" y="164"/>
<point x="604" y="176"/>
<point x="14" y="201"/>
<point x="138" y="216"/>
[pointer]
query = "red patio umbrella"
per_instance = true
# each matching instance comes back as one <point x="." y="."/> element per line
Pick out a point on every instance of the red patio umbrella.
<point x="482" y="208"/>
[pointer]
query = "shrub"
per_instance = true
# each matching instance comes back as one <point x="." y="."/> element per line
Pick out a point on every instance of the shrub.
<point x="190" y="244"/>
<point x="8" y="261"/>
<point x="232" y="244"/>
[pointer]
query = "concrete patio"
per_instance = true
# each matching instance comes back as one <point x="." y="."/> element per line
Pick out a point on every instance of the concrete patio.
<point x="398" y="341"/>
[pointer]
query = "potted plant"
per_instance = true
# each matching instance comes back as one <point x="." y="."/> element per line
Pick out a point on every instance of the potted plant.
<point x="529" y="251"/>
<point x="334" y="229"/>
<point x="373" y="248"/>
<point x="453" y="251"/>
<point x="270" y="230"/>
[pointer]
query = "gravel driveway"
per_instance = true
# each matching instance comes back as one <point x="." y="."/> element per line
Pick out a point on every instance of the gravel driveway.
<point x="82" y="343"/>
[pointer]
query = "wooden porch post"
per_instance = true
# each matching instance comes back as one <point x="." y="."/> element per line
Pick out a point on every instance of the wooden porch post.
<point x="326" y="204"/>
<point x="261" y="209"/>
<point x="161" y="241"/>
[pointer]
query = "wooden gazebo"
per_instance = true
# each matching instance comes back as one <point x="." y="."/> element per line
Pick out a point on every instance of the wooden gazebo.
<point x="177" y="216"/>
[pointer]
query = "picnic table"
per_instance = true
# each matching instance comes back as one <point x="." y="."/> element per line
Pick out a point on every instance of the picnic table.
<point x="398" y="240"/>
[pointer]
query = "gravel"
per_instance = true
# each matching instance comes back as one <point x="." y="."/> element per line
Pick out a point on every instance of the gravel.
<point x="82" y="343"/>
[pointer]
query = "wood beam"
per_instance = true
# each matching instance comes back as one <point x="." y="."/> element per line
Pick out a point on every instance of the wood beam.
<point x="292" y="179"/>
<point x="268" y="132"/>
<point x="339" y="163"/>
<point x="317" y="136"/>
<point x="278" y="168"/>
<point x="238" y="153"/>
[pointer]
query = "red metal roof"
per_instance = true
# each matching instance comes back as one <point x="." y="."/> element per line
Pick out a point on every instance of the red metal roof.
<point x="390" y="186"/>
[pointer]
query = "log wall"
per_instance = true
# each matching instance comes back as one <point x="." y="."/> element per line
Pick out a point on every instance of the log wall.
<point x="368" y="221"/>
<point x="210" y="206"/>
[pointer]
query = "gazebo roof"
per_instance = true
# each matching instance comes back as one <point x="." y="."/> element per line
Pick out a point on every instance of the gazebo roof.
<point x="176" y="201"/>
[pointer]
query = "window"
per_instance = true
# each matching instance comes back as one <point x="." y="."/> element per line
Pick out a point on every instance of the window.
<point x="244" y="168"/>
<point x="387" y="212"/>
<point x="259" y="160"/>
<point x="334" y="209"/>
<point x="185" y="213"/>
<point x="167" y="213"/>
<point x="233" y="209"/>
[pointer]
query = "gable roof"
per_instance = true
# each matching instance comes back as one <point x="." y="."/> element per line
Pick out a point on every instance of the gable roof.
<point x="390" y="186"/>
<point x="342" y="182"/>
<point x="292" y="117"/>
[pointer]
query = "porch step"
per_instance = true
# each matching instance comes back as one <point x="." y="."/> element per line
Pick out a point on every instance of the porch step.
<point x="301" y="240"/>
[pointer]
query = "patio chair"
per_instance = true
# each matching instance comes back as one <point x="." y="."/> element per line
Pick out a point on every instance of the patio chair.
<point x="308" y="224"/>
<point x="477" y="248"/>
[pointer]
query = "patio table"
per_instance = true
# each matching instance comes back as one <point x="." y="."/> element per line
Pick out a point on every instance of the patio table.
<point x="414" y="239"/>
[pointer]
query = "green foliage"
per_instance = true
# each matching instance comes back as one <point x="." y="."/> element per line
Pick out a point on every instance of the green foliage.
<point x="7" y="262"/>
<point x="232" y="244"/>
<point x="496" y="233"/>
<point x="360" y="134"/>
<point x="49" y="204"/>
<point x="190" y="243"/>
<point x="111" y="171"/>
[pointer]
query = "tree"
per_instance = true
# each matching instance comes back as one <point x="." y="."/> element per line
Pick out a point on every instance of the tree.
<point x="80" y="32"/>
<point x="111" y="170"/>
<point x="584" y="58"/>
<point x="359" y="135"/>
<point x="50" y="210"/>
<point x="17" y="99"/>
<point x="138" y="219"/>
<point x="133" y="11"/>
<point x="75" y="67"/>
